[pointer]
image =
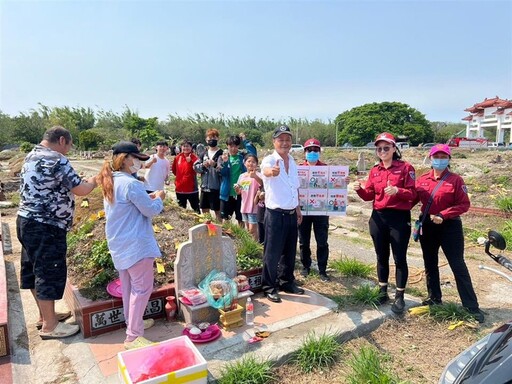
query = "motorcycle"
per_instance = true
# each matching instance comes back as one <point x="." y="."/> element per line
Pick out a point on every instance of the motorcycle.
<point x="489" y="360"/>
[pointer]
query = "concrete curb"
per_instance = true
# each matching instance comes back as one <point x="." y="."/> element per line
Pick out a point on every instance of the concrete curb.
<point x="283" y="343"/>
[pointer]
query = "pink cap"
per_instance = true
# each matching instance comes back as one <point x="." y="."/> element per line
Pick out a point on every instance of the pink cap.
<point x="312" y="143"/>
<point x="440" y="148"/>
<point x="385" y="136"/>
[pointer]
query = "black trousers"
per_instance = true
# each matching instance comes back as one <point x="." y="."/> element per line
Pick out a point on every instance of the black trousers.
<point x="279" y="250"/>
<point x="192" y="198"/>
<point x="391" y="227"/>
<point x="449" y="237"/>
<point x="320" y="225"/>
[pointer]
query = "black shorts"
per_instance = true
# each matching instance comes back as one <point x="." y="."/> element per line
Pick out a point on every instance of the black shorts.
<point x="210" y="200"/>
<point x="233" y="205"/>
<point x="43" y="258"/>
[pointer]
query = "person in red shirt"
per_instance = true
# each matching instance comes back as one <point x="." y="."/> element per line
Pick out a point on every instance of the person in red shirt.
<point x="320" y="224"/>
<point x="442" y="228"/>
<point x="391" y="187"/>
<point x="186" y="179"/>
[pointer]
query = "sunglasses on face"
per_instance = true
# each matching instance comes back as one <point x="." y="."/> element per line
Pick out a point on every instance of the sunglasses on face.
<point x="312" y="150"/>
<point x="383" y="149"/>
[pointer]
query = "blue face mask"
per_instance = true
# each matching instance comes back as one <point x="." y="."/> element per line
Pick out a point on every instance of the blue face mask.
<point x="440" y="164"/>
<point x="312" y="157"/>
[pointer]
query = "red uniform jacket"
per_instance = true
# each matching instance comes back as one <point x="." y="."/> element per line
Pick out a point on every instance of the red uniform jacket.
<point x="186" y="179"/>
<point x="451" y="199"/>
<point x="401" y="175"/>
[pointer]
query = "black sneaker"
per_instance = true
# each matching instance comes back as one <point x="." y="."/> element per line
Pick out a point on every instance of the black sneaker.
<point x="324" y="277"/>
<point x="383" y="298"/>
<point x="477" y="314"/>
<point x="398" y="305"/>
<point x="430" y="301"/>
<point x="304" y="272"/>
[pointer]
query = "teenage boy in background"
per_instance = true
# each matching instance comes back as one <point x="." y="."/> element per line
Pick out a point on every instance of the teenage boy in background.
<point x="158" y="169"/>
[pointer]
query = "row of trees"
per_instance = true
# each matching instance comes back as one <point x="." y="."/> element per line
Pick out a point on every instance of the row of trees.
<point x="93" y="130"/>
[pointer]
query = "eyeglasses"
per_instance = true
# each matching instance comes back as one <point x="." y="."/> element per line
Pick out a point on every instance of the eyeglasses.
<point x="312" y="149"/>
<point x="383" y="149"/>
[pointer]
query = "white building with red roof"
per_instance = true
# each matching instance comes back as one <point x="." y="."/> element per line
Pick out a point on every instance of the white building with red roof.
<point x="493" y="114"/>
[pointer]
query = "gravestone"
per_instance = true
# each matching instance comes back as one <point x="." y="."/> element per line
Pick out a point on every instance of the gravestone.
<point x="205" y="251"/>
<point x="361" y="163"/>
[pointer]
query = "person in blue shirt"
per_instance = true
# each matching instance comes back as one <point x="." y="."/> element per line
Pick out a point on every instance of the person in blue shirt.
<point x="231" y="167"/>
<point x="129" y="232"/>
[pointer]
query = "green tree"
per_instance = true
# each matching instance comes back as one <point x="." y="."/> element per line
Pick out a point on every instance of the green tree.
<point x="443" y="131"/>
<point x="149" y="136"/>
<point x="29" y="127"/>
<point x="6" y="129"/>
<point x="360" y="125"/>
<point x="90" y="139"/>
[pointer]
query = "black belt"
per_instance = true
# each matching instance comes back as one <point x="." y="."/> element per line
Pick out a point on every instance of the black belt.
<point x="287" y="211"/>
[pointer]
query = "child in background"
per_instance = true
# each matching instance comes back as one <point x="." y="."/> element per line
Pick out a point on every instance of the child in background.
<point x="247" y="186"/>
<point x="259" y="199"/>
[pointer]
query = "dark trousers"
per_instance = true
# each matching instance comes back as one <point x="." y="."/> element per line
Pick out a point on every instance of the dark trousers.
<point x="320" y="226"/>
<point x="193" y="198"/>
<point x="391" y="227"/>
<point x="449" y="237"/>
<point x="279" y="249"/>
<point x="261" y="233"/>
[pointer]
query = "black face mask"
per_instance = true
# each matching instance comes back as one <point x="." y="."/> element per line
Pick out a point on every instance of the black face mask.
<point x="212" y="143"/>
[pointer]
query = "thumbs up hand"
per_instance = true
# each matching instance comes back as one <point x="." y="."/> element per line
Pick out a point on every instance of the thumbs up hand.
<point x="390" y="189"/>
<point x="276" y="169"/>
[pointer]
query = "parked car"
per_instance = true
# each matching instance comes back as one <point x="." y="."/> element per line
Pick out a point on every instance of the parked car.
<point x="402" y="145"/>
<point x="428" y="145"/>
<point x="297" y="148"/>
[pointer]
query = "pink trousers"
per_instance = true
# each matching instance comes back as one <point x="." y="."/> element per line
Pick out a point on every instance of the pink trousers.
<point x="137" y="285"/>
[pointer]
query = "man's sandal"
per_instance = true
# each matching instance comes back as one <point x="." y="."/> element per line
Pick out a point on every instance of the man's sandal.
<point x="61" y="316"/>
<point x="61" y="330"/>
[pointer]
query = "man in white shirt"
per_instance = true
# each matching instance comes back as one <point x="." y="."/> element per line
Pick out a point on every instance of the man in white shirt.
<point x="158" y="169"/>
<point x="283" y="215"/>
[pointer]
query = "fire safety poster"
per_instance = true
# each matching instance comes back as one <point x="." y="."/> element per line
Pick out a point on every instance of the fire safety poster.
<point x="323" y="190"/>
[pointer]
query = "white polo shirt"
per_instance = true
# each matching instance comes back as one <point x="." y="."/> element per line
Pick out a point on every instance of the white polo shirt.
<point x="281" y="191"/>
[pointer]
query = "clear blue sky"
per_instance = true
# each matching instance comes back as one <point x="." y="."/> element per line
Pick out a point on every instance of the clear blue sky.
<point x="309" y="59"/>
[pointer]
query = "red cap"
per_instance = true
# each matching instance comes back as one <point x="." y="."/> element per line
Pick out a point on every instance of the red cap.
<point x="440" y="148"/>
<point x="385" y="136"/>
<point x="312" y="143"/>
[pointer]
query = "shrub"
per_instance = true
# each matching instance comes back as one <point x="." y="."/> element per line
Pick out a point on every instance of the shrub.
<point x="248" y="370"/>
<point x="366" y="294"/>
<point x="351" y="267"/>
<point x="26" y="147"/>
<point x="449" y="312"/>
<point x="504" y="203"/>
<point x="367" y="367"/>
<point x="317" y="352"/>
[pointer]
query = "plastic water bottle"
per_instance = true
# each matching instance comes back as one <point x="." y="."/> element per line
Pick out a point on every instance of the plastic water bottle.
<point x="249" y="312"/>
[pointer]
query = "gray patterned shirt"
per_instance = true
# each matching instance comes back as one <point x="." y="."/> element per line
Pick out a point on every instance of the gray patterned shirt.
<point x="47" y="178"/>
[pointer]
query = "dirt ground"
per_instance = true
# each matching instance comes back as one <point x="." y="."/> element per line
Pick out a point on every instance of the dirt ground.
<point x="418" y="348"/>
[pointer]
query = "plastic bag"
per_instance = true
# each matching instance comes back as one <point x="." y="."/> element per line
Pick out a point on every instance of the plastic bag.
<point x="219" y="289"/>
<point x="416" y="230"/>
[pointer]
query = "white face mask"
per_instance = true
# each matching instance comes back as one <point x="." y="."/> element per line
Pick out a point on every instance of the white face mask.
<point x="134" y="168"/>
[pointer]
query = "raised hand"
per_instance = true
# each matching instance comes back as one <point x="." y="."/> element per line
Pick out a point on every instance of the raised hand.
<point x="390" y="189"/>
<point x="276" y="169"/>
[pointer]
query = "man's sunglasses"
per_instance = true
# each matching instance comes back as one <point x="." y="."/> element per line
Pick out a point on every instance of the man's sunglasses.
<point x="313" y="149"/>
<point x="383" y="149"/>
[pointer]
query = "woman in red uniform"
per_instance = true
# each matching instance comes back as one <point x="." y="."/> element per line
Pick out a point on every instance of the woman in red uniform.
<point x="442" y="228"/>
<point x="391" y="187"/>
